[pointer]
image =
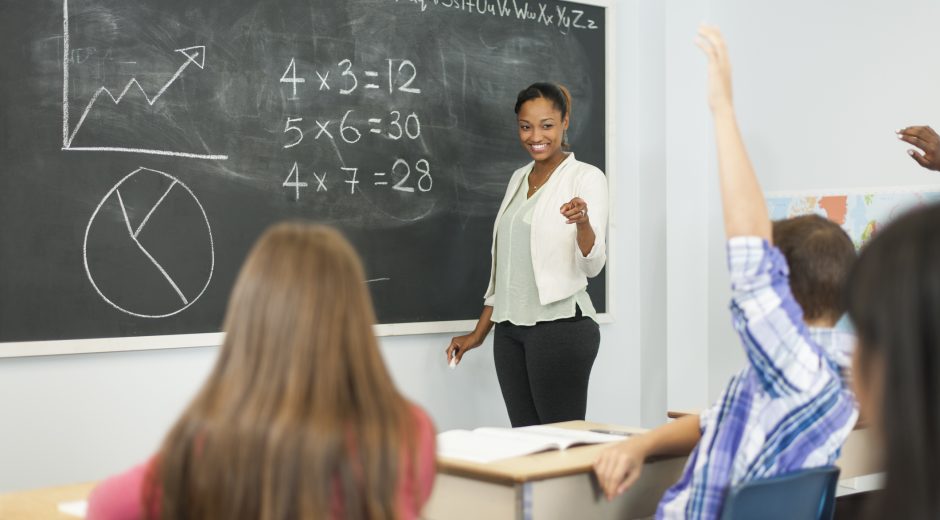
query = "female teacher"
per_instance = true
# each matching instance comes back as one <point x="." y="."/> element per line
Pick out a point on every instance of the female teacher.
<point x="548" y="238"/>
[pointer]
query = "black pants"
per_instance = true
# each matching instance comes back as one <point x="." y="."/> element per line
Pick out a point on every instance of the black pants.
<point x="544" y="369"/>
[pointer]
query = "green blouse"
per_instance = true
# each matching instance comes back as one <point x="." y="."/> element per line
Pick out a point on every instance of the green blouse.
<point x="517" y="296"/>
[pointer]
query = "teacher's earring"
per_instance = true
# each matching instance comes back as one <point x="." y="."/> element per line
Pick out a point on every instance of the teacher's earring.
<point x="564" y="139"/>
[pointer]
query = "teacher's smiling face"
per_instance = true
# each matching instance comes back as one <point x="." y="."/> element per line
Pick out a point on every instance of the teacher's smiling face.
<point x="542" y="129"/>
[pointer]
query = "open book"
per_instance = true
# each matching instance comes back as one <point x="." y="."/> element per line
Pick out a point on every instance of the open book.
<point x="491" y="444"/>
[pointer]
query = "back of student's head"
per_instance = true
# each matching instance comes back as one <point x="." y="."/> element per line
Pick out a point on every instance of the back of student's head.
<point x="894" y="303"/>
<point x="299" y="417"/>
<point x="820" y="255"/>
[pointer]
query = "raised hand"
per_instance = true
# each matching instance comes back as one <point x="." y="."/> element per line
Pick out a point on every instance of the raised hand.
<point x="711" y="42"/>
<point x="928" y="142"/>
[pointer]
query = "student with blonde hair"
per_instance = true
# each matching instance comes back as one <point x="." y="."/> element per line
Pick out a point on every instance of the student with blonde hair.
<point x="299" y="418"/>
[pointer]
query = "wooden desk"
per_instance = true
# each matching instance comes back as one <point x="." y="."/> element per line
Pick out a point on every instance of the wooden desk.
<point x="42" y="504"/>
<point x="859" y="455"/>
<point x="545" y="486"/>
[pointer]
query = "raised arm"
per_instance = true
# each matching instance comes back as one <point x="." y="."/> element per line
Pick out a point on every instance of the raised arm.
<point x="745" y="211"/>
<point x="766" y="316"/>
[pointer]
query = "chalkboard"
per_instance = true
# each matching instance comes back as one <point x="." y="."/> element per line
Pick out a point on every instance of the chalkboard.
<point x="146" y="144"/>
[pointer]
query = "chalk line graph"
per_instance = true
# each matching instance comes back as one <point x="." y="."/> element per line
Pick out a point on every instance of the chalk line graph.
<point x="133" y="234"/>
<point x="195" y="55"/>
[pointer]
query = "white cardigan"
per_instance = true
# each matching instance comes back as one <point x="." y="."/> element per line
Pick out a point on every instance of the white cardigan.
<point x="560" y="268"/>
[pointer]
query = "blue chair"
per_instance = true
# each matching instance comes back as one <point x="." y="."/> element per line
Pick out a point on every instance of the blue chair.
<point x="803" y="495"/>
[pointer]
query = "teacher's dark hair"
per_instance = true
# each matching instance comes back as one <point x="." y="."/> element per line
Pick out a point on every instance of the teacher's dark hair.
<point x="893" y="299"/>
<point x="557" y="94"/>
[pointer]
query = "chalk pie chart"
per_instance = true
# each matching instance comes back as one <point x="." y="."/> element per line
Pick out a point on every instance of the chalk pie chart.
<point x="148" y="248"/>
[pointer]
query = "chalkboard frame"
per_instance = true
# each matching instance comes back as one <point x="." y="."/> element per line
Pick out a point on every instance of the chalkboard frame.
<point x="213" y="339"/>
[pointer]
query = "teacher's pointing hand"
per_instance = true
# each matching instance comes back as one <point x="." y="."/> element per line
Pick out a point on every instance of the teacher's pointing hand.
<point x="576" y="211"/>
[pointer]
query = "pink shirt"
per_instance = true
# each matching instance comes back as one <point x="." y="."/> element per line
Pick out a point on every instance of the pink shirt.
<point x="121" y="496"/>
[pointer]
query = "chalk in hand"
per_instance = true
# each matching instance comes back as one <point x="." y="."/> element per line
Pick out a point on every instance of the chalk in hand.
<point x="453" y="362"/>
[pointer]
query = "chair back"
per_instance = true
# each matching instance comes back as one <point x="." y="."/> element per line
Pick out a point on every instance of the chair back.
<point x="803" y="495"/>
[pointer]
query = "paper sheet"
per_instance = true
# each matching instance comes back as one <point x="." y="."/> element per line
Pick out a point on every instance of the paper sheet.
<point x="486" y="445"/>
<point x="76" y="509"/>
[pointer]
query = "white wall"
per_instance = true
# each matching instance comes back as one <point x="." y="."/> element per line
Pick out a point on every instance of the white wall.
<point x="650" y="241"/>
<point x="819" y="87"/>
<point x="687" y="183"/>
<point x="77" y="418"/>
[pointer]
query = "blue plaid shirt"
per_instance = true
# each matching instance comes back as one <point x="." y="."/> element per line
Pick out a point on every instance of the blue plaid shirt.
<point x="788" y="409"/>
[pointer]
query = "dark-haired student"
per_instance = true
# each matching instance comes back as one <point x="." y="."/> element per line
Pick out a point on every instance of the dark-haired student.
<point x="790" y="408"/>
<point x="928" y="143"/>
<point x="893" y="302"/>
<point x="299" y="418"/>
<point x="548" y="239"/>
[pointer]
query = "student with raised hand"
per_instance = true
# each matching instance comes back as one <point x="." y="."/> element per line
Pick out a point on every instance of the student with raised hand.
<point x="789" y="408"/>
<point x="893" y="301"/>
<point x="548" y="239"/>
<point x="299" y="418"/>
<point x="928" y="142"/>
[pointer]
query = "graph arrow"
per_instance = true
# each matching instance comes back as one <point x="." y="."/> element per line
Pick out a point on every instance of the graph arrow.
<point x="195" y="55"/>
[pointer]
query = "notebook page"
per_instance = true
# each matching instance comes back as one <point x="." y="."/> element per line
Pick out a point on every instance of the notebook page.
<point x="483" y="448"/>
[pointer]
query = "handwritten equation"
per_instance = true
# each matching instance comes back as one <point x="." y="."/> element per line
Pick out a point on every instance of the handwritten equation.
<point x="349" y="177"/>
<point x="395" y="126"/>
<point x="397" y="77"/>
